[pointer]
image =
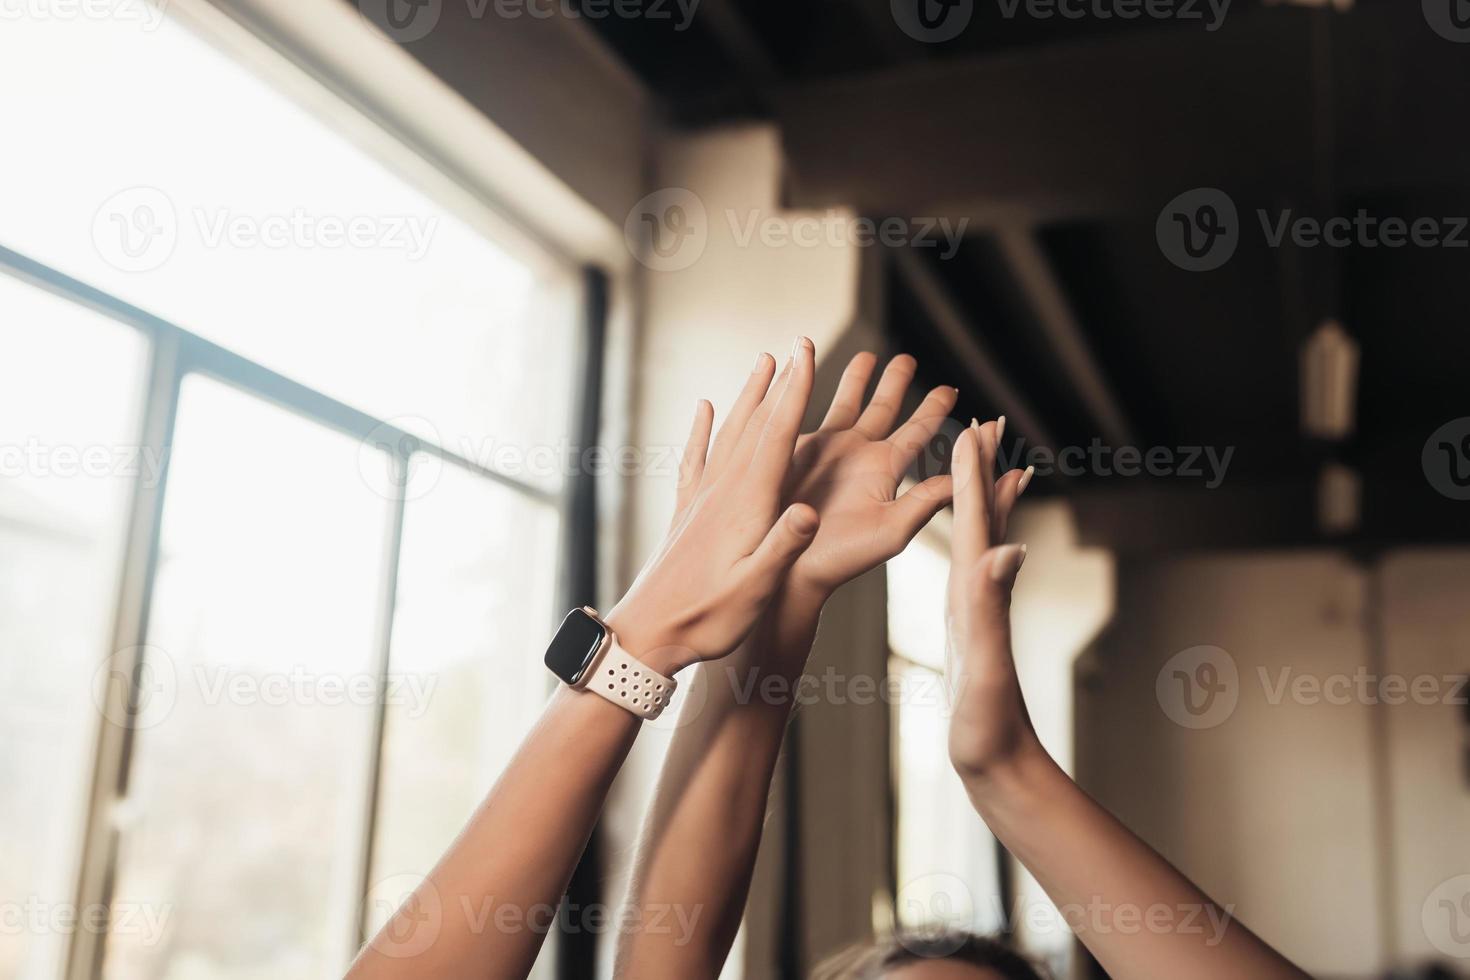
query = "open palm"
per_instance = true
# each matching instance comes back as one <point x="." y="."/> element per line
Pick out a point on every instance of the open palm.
<point x="850" y="470"/>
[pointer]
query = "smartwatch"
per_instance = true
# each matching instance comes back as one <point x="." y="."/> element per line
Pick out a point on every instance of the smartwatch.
<point x="586" y="655"/>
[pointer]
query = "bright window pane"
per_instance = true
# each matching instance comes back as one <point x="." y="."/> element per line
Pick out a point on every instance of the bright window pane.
<point x="475" y="607"/>
<point x="948" y="875"/>
<point x="70" y="387"/>
<point x="229" y="209"/>
<point x="918" y="579"/>
<point x="242" y="832"/>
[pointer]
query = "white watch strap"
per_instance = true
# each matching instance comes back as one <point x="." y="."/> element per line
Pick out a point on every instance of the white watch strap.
<point x="629" y="683"/>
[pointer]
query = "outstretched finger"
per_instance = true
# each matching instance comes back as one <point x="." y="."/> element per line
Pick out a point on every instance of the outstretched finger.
<point x="1007" y="490"/>
<point x="971" y="516"/>
<point x="847" y="403"/>
<point x="691" y="464"/>
<point x="778" y="435"/>
<point x="908" y="514"/>
<point x="750" y="436"/>
<point x="923" y="425"/>
<point x="745" y="405"/>
<point x="783" y="544"/>
<point x="879" y="418"/>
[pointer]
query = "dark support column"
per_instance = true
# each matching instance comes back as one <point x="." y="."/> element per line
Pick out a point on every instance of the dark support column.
<point x="578" y="948"/>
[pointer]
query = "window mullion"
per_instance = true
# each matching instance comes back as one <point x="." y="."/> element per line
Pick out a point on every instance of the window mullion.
<point x="114" y="741"/>
<point x="354" y="929"/>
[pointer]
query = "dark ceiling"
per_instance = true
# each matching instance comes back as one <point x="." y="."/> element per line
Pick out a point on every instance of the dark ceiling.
<point x="1077" y="132"/>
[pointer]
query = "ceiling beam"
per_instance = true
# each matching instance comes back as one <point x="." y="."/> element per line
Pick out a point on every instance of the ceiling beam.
<point x="1086" y="127"/>
<point x="963" y="340"/>
<point x="759" y="73"/>
<point x="1032" y="273"/>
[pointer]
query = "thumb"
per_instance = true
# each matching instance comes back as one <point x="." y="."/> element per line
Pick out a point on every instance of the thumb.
<point x="783" y="544"/>
<point x="991" y="582"/>
<point x="910" y="512"/>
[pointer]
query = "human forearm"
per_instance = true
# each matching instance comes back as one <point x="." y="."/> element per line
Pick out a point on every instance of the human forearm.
<point x="701" y="840"/>
<point x="486" y="907"/>
<point x="1139" y="916"/>
<point x="703" y="833"/>
<point x="727" y="553"/>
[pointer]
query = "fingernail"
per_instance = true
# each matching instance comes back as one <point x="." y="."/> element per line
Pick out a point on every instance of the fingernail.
<point x="796" y="346"/>
<point x="759" y="360"/>
<point x="975" y="424"/>
<point x="1000" y="428"/>
<point x="1008" y="562"/>
<point x="1025" y="480"/>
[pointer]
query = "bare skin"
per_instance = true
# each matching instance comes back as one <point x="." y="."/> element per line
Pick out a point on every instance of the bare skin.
<point x="704" y="830"/>
<point x="1150" y="926"/>
<point x="485" y="908"/>
<point x="713" y="794"/>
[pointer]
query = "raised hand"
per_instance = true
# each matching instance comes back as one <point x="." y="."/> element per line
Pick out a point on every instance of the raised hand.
<point x="989" y="724"/>
<point x="731" y="544"/>
<point x="850" y="468"/>
<point x="1080" y="853"/>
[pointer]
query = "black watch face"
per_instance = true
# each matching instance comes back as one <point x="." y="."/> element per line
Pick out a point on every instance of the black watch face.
<point x="574" y="645"/>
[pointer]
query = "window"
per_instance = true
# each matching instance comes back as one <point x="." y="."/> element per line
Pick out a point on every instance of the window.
<point x="283" y="445"/>
<point x="946" y="861"/>
<point x="68" y="412"/>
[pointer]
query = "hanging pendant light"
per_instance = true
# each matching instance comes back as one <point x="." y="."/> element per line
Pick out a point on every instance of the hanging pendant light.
<point x="1329" y="382"/>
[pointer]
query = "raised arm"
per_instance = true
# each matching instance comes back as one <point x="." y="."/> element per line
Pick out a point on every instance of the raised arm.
<point x="700" y="843"/>
<point x="485" y="908"/>
<point x="1145" y="920"/>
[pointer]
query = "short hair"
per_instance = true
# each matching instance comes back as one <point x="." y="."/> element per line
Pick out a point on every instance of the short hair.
<point x="873" y="961"/>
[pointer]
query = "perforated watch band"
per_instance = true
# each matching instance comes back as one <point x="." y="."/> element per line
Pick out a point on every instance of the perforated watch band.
<point x="627" y="682"/>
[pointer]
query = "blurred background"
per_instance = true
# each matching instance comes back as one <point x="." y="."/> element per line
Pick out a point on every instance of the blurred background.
<point x="344" y="346"/>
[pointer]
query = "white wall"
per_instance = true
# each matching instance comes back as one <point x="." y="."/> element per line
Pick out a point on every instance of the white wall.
<point x="1281" y="808"/>
<point x="1426" y="629"/>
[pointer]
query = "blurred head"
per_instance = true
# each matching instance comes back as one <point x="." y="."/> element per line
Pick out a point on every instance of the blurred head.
<point x="944" y="957"/>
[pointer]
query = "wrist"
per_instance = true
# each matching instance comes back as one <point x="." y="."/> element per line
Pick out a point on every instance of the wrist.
<point x="803" y="593"/>
<point x="786" y="630"/>
<point x="1012" y="780"/>
<point x="643" y="641"/>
